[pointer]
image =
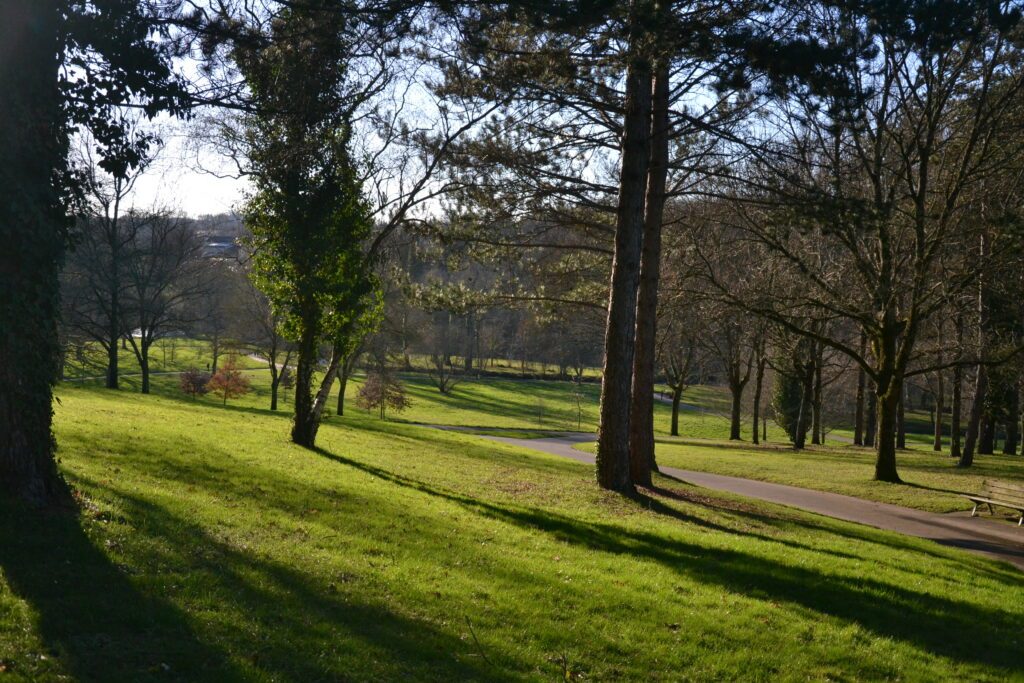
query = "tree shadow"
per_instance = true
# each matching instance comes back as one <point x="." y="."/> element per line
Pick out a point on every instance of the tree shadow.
<point x="928" y="621"/>
<point x="290" y="615"/>
<point x="91" y="616"/>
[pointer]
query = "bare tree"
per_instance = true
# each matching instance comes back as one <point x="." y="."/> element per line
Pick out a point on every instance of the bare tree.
<point x="95" y="276"/>
<point x="165" y="274"/>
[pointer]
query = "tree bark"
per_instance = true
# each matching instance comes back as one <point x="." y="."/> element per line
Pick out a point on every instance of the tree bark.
<point x="956" y="408"/>
<point x="303" y="433"/>
<point x="981" y="380"/>
<point x="816" y="427"/>
<point x="762" y="361"/>
<point x="113" y="337"/>
<point x="344" y="372"/>
<point x="33" y="145"/>
<point x="885" y="462"/>
<point x="1010" y="445"/>
<point x="974" y="420"/>
<point x="804" y="415"/>
<point x="871" y="419"/>
<point x="986" y="434"/>
<point x="613" y="462"/>
<point x="641" y="438"/>
<point x="858" y="415"/>
<point x="677" y="395"/>
<point x="901" y="420"/>
<point x="736" y="411"/>
<point x="940" y="406"/>
<point x="144" y="365"/>
<point x="342" y="388"/>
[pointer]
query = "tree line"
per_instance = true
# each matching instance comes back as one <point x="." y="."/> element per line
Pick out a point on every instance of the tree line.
<point x="796" y="187"/>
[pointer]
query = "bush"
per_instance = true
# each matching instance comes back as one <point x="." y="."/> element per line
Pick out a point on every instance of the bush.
<point x="229" y="382"/>
<point x="194" y="382"/>
<point x="382" y="391"/>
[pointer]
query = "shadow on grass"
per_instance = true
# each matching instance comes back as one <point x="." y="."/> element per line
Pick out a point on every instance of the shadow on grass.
<point x="270" y="620"/>
<point x="931" y="622"/>
<point x="90" y="615"/>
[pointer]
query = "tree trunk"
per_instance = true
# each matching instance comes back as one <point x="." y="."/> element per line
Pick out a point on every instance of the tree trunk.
<point x="816" y="428"/>
<point x="956" y="408"/>
<point x="613" y="462"/>
<point x="344" y="372"/>
<point x="940" y="406"/>
<point x="311" y="424"/>
<point x="303" y="433"/>
<point x="974" y="420"/>
<point x="858" y="415"/>
<point x="885" y="462"/>
<point x="113" y="337"/>
<point x="467" y="360"/>
<point x="986" y="435"/>
<point x="804" y="416"/>
<point x="641" y="438"/>
<point x="871" y="418"/>
<point x="215" y="350"/>
<point x="32" y="232"/>
<point x="735" y="413"/>
<point x="981" y="381"/>
<point x="901" y="420"/>
<point x="758" y="386"/>
<point x="275" y="383"/>
<point x="677" y="395"/>
<point x="1010" y="444"/>
<point x="144" y="364"/>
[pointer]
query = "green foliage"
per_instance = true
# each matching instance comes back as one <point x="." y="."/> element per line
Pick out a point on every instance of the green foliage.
<point x="307" y="215"/>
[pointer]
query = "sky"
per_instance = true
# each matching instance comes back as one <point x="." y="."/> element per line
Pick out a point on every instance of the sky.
<point x="180" y="180"/>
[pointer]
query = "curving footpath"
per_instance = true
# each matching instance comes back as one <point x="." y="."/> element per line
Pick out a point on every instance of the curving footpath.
<point x="978" y="535"/>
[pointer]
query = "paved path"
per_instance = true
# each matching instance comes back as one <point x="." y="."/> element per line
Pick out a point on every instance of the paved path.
<point x="975" y="534"/>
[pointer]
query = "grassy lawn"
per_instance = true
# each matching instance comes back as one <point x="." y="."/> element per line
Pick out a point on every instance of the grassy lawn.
<point x="932" y="479"/>
<point x="166" y="355"/>
<point x="212" y="549"/>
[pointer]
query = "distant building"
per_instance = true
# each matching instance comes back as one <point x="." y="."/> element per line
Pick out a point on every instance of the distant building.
<point x="221" y="247"/>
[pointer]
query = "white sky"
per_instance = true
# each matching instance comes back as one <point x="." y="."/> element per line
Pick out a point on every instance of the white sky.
<point x="177" y="180"/>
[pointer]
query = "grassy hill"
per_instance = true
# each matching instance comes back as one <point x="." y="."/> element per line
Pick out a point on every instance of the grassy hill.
<point x="209" y="548"/>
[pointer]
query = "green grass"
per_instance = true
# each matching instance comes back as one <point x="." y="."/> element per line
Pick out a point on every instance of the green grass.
<point x="166" y="355"/>
<point x="933" y="481"/>
<point x="210" y="548"/>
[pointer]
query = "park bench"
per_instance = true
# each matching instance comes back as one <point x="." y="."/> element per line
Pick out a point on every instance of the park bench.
<point x="1001" y="493"/>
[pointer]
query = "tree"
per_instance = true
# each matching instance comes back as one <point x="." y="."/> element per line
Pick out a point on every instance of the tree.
<point x="871" y="179"/>
<point x="194" y="382"/>
<point x="43" y="103"/>
<point x="164" y="275"/>
<point x="794" y="380"/>
<point x="261" y="330"/>
<point x="307" y="215"/>
<point x="228" y="381"/>
<point x="95" y="276"/>
<point x="382" y="391"/>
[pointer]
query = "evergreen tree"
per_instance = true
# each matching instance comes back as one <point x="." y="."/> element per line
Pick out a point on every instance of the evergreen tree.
<point x="307" y="214"/>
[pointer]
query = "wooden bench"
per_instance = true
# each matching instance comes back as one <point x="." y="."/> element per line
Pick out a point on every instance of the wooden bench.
<point x="1001" y="493"/>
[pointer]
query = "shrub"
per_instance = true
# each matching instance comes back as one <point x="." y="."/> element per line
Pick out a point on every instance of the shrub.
<point x="229" y="382"/>
<point x="381" y="391"/>
<point x="194" y="382"/>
